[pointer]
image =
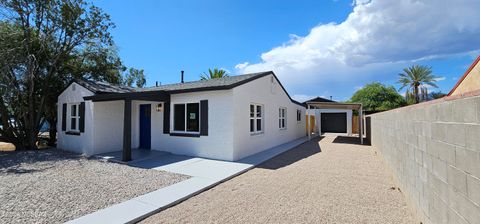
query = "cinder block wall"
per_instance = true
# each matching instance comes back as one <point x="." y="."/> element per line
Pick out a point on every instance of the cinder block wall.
<point x="433" y="150"/>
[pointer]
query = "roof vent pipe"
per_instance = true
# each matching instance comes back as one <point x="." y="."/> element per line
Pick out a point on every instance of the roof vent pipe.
<point x="330" y="97"/>
<point x="156" y="84"/>
<point x="182" y="76"/>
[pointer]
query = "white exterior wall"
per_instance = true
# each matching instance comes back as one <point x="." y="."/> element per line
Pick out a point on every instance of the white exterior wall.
<point x="228" y="137"/>
<point x="318" y="117"/>
<point x="272" y="97"/>
<point x="82" y="143"/>
<point x="108" y="126"/>
<point x="219" y="142"/>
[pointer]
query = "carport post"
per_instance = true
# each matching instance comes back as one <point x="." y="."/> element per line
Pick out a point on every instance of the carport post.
<point x="127" y="133"/>
<point x="308" y="122"/>
<point x="360" y="126"/>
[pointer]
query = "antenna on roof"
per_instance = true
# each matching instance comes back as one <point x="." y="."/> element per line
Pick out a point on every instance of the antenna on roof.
<point x="182" y="76"/>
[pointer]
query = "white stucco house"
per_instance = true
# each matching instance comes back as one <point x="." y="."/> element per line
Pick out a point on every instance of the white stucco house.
<point x="227" y="118"/>
<point x="330" y="120"/>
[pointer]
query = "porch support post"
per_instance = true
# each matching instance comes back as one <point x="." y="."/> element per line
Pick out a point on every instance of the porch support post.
<point x="360" y="126"/>
<point x="127" y="131"/>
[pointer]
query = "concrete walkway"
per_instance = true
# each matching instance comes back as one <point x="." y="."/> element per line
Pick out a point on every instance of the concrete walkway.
<point x="333" y="180"/>
<point x="205" y="173"/>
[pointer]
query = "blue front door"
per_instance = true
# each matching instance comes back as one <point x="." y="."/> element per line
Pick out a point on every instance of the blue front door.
<point x="145" y="126"/>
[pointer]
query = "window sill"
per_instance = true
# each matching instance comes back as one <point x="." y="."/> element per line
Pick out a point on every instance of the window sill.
<point x="256" y="133"/>
<point x="72" y="133"/>
<point x="282" y="129"/>
<point x="185" y="134"/>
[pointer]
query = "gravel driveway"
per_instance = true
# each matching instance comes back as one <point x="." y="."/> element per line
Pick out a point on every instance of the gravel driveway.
<point x="331" y="181"/>
<point x="54" y="186"/>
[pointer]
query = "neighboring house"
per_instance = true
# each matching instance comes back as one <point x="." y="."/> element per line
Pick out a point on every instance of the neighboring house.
<point x="469" y="82"/>
<point x="330" y="120"/>
<point x="226" y="118"/>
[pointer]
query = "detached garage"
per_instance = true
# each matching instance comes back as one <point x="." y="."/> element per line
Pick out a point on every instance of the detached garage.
<point x="328" y="116"/>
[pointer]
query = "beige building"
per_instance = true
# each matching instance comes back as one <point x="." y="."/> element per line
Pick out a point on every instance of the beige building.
<point x="469" y="82"/>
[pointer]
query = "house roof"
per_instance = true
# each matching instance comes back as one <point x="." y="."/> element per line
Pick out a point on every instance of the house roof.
<point x="227" y="82"/>
<point x="464" y="75"/>
<point x="98" y="87"/>
<point x="319" y="99"/>
<point x="110" y="92"/>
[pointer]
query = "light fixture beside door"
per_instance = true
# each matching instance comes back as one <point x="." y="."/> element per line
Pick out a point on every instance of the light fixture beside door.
<point x="159" y="107"/>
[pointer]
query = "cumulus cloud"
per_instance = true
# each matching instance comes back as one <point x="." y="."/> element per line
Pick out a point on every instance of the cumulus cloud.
<point x="378" y="37"/>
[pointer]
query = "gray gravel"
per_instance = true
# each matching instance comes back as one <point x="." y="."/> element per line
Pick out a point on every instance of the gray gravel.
<point x="331" y="181"/>
<point x="54" y="186"/>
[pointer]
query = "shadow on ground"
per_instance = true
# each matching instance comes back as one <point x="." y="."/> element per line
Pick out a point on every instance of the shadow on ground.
<point x="30" y="161"/>
<point x="160" y="160"/>
<point x="347" y="140"/>
<point x="292" y="156"/>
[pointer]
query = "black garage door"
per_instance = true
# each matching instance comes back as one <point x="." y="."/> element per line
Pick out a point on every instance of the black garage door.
<point x="334" y="122"/>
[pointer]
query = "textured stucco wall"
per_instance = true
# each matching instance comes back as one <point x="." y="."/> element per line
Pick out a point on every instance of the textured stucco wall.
<point x="433" y="150"/>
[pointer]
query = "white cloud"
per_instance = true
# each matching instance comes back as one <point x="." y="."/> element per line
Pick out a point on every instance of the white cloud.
<point x="241" y="65"/>
<point x="302" y="98"/>
<point x="378" y="38"/>
<point x="441" y="78"/>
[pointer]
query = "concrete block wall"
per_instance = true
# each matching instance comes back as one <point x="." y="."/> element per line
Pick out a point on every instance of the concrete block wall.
<point x="433" y="150"/>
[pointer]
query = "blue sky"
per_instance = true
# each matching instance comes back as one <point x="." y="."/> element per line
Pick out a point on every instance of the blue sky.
<point x="324" y="48"/>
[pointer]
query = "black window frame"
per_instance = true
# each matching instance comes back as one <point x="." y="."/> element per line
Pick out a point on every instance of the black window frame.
<point x="185" y="123"/>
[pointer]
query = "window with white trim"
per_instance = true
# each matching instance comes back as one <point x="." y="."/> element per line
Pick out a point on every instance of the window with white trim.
<point x="186" y="117"/>
<point x="282" y="116"/>
<point x="73" y="117"/>
<point x="299" y="115"/>
<point x="256" y="118"/>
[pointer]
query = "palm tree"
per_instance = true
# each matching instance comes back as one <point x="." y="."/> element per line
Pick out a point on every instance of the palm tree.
<point x="416" y="79"/>
<point x="213" y="74"/>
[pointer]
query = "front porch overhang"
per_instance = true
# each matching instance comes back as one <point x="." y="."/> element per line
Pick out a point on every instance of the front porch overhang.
<point x="157" y="96"/>
<point x="334" y="105"/>
<point x="160" y="96"/>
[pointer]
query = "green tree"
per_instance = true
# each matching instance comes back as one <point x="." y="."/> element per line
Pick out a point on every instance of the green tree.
<point x="135" y="76"/>
<point x="437" y="95"/>
<point x="43" y="46"/>
<point x="213" y="74"/>
<point x="378" y="97"/>
<point x="414" y="78"/>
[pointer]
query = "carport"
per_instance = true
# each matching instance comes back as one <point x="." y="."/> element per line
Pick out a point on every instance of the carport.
<point x="335" y="105"/>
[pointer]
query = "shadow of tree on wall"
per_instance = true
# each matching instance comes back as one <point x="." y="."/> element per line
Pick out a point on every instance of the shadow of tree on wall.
<point x="294" y="155"/>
